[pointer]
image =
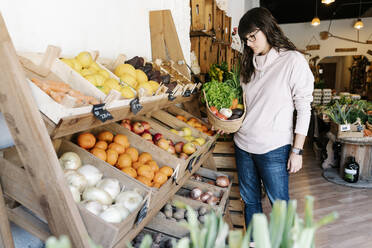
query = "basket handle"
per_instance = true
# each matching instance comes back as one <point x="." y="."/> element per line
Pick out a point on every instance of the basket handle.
<point x="205" y="98"/>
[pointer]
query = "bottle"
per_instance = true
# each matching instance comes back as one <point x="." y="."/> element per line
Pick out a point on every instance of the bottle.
<point x="351" y="171"/>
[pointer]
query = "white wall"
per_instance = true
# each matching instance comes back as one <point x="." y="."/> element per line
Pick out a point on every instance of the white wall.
<point x="301" y="34"/>
<point x="111" y="26"/>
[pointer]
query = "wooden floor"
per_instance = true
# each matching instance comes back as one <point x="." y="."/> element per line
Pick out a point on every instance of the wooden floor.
<point x="354" y="206"/>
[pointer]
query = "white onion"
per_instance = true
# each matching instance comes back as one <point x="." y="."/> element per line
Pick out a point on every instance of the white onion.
<point x="75" y="179"/>
<point x="94" y="207"/>
<point x="70" y="161"/>
<point x="96" y="194"/>
<point x="130" y="199"/>
<point x="110" y="185"/>
<point x="75" y="193"/>
<point x="123" y="210"/>
<point x="91" y="173"/>
<point x="111" y="215"/>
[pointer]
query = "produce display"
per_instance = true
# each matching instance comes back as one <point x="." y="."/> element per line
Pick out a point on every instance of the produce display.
<point x="157" y="240"/>
<point x="174" y="213"/>
<point x="225" y="97"/>
<point x="193" y="122"/>
<point x="84" y="64"/>
<point x="186" y="133"/>
<point x="59" y="91"/>
<point x="221" y="181"/>
<point x="116" y="150"/>
<point x="103" y="197"/>
<point x="204" y="196"/>
<point x="180" y="149"/>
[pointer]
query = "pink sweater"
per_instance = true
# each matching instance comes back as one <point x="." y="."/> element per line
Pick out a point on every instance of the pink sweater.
<point x="282" y="82"/>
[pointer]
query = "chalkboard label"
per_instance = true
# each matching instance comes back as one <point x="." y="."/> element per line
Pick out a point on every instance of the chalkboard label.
<point x="142" y="213"/>
<point x="187" y="93"/>
<point x="198" y="159"/>
<point x="171" y="97"/>
<point x="100" y="113"/>
<point x="189" y="165"/>
<point x="135" y="106"/>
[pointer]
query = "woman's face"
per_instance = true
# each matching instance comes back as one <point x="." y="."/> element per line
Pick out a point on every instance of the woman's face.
<point x="257" y="41"/>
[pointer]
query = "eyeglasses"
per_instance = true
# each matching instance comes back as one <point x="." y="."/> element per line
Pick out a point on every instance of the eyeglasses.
<point x="252" y="37"/>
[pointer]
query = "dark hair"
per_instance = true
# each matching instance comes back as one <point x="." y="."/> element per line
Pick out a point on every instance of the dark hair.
<point x="260" y="18"/>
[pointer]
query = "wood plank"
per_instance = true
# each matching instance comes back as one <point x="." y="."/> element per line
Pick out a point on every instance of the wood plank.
<point x="27" y="221"/>
<point x="205" y="46"/>
<point x="26" y="126"/>
<point x="6" y="233"/>
<point x="235" y="192"/>
<point x="198" y="15"/>
<point x="232" y="174"/>
<point x="237" y="219"/>
<point x="236" y="205"/>
<point x="226" y="147"/>
<point x="210" y="163"/>
<point x="225" y="162"/>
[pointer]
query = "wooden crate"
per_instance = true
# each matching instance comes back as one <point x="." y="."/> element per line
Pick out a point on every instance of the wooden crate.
<point x="221" y="53"/>
<point x="102" y="232"/>
<point x="204" y="53"/>
<point x="195" y="46"/>
<point x="201" y="15"/>
<point x="226" y="37"/>
<point x="352" y="131"/>
<point x="229" y="57"/>
<point x="213" y="53"/>
<point x="218" y="17"/>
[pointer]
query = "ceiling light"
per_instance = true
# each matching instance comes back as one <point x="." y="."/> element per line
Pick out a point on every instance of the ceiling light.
<point x="315" y="21"/>
<point x="327" y="1"/>
<point x="358" y="24"/>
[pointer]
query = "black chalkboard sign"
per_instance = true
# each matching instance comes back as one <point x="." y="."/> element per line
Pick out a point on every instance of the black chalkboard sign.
<point x="142" y="213"/>
<point x="171" y="97"/>
<point x="101" y="113"/>
<point x="189" y="165"/>
<point x="187" y="93"/>
<point x="135" y="106"/>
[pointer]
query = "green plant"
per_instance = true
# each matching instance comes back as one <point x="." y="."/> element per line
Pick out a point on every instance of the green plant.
<point x="338" y="113"/>
<point x="64" y="242"/>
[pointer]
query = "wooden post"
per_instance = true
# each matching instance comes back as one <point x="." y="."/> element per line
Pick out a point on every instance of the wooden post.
<point x="164" y="40"/>
<point x="6" y="234"/>
<point x="35" y="147"/>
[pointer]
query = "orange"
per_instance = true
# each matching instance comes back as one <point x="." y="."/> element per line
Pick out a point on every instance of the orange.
<point x="156" y="185"/>
<point x="200" y="129"/>
<point x="204" y="128"/>
<point x="86" y="140"/>
<point x="160" y="178"/>
<point x="112" y="156"/>
<point x="154" y="166"/>
<point x="136" y="165"/>
<point x="133" y="153"/>
<point x="124" y="160"/>
<point x="105" y="136"/>
<point x="130" y="171"/>
<point x="99" y="153"/>
<point x="197" y="124"/>
<point x="122" y="140"/>
<point x="181" y="118"/>
<point x="101" y="145"/>
<point x="146" y="171"/>
<point x="117" y="147"/>
<point x="144" y="180"/>
<point x="166" y="170"/>
<point x="144" y="157"/>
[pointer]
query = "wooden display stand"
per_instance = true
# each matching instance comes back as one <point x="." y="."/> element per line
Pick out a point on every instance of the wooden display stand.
<point x="36" y="180"/>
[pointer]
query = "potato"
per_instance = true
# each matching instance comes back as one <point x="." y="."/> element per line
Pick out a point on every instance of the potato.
<point x="179" y="215"/>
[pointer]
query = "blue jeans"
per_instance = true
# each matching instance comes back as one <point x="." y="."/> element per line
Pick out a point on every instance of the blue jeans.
<point x="271" y="168"/>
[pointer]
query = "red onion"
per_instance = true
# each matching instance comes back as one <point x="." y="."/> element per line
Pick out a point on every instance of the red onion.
<point x="212" y="200"/>
<point x="205" y="197"/>
<point x="197" y="177"/>
<point x="195" y="193"/>
<point x="211" y="182"/>
<point x="222" y="181"/>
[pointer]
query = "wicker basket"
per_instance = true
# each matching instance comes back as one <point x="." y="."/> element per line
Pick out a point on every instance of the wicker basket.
<point x="369" y="125"/>
<point x="228" y="126"/>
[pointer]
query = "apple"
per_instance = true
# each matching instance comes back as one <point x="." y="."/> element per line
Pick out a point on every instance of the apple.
<point x="186" y="131"/>
<point x="200" y="141"/>
<point x="189" y="148"/>
<point x="147" y="131"/>
<point x="171" y="150"/>
<point x="157" y="137"/>
<point x="171" y="142"/>
<point x="126" y="125"/>
<point x="147" y="136"/>
<point x="179" y="147"/>
<point x="146" y="125"/>
<point x="183" y="156"/>
<point x="138" y="128"/>
<point x="126" y="121"/>
<point x="162" y="143"/>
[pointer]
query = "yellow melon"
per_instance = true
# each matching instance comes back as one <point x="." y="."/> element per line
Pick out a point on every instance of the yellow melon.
<point x="128" y="79"/>
<point x="154" y="85"/>
<point x="127" y="92"/>
<point x="125" y="68"/>
<point x="141" y="76"/>
<point x="84" y="58"/>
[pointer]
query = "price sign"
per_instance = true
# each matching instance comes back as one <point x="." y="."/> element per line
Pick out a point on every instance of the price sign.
<point x="135" y="106"/>
<point x="187" y="93"/>
<point x="101" y="113"/>
<point x="142" y="213"/>
<point x="171" y="97"/>
<point x="189" y="165"/>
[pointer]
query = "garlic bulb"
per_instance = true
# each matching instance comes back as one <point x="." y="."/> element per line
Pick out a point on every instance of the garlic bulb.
<point x="96" y="194"/>
<point x="70" y="161"/>
<point x="91" y="173"/>
<point x="94" y="207"/>
<point x="123" y="210"/>
<point x="110" y="185"/>
<point x="75" y="179"/>
<point x="111" y="214"/>
<point x="130" y="199"/>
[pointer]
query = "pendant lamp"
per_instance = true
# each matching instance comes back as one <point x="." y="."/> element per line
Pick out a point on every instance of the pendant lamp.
<point x="359" y="24"/>
<point x="316" y="21"/>
<point x="327" y="1"/>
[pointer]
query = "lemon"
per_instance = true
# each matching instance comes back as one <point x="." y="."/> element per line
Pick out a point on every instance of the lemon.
<point x="145" y="87"/>
<point x="104" y="73"/>
<point x="126" y="78"/>
<point x="112" y="84"/>
<point x="154" y="85"/>
<point x="76" y="65"/>
<point x="92" y="79"/>
<point x="94" y="66"/>
<point x="125" y="68"/>
<point x="68" y="62"/>
<point x="141" y="76"/>
<point x="104" y="89"/>
<point x="85" y="72"/>
<point x="127" y="92"/>
<point x="100" y="80"/>
<point x="84" y="58"/>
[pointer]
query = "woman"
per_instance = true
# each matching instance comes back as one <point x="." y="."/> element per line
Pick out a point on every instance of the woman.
<point x="277" y="80"/>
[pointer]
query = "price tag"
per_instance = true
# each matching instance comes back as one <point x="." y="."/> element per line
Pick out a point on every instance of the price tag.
<point x="345" y="127"/>
<point x="198" y="159"/>
<point x="142" y="213"/>
<point x="195" y="91"/>
<point x="174" y="176"/>
<point x="189" y="165"/>
<point x="135" y="106"/>
<point x="187" y="93"/>
<point x="171" y="97"/>
<point x="359" y="128"/>
<point x="101" y="113"/>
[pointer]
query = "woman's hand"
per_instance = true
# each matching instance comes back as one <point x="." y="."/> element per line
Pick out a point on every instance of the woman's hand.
<point x="219" y="131"/>
<point x="294" y="163"/>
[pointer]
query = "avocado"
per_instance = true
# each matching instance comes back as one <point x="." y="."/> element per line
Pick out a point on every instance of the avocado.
<point x="238" y="112"/>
